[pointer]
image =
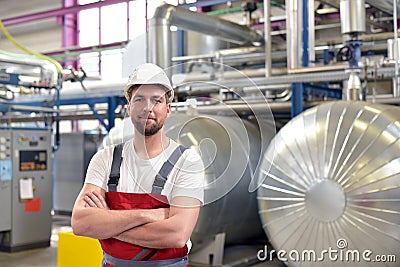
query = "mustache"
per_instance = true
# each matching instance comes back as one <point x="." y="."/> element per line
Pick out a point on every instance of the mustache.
<point x="146" y="116"/>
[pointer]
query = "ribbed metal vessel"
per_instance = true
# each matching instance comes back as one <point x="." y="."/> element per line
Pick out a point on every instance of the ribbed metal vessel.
<point x="334" y="185"/>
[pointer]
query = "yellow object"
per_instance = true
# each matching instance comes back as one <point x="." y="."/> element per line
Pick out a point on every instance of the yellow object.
<point x="38" y="55"/>
<point x="78" y="251"/>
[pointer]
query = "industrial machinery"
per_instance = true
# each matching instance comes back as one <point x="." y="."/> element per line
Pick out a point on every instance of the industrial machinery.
<point x="26" y="164"/>
<point x="296" y="59"/>
<point x="230" y="148"/>
<point x="330" y="181"/>
<point x="70" y="164"/>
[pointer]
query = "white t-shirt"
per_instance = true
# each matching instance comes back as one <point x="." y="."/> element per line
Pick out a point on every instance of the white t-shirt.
<point x="137" y="175"/>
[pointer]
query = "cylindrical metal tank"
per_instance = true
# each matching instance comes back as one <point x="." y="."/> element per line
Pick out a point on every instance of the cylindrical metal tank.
<point x="230" y="148"/>
<point x="352" y="16"/>
<point x="202" y="44"/>
<point x="334" y="184"/>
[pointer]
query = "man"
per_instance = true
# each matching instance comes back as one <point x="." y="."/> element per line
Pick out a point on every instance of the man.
<point x="142" y="199"/>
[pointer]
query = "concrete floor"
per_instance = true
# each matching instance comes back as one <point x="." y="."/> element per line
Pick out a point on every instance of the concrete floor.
<point x="238" y="256"/>
<point x="43" y="257"/>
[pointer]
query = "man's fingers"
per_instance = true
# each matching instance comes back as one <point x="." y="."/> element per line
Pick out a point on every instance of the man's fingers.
<point x="95" y="199"/>
<point x="89" y="201"/>
<point x="161" y="214"/>
<point x="101" y="199"/>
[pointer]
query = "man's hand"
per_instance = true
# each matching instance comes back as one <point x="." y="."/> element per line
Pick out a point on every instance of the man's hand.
<point x="159" y="214"/>
<point x="94" y="199"/>
<point x="90" y="207"/>
<point x="173" y="232"/>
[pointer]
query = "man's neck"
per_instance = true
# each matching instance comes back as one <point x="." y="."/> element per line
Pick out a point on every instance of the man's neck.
<point x="148" y="147"/>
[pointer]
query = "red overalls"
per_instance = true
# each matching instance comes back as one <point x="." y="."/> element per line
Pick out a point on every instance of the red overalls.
<point x="121" y="254"/>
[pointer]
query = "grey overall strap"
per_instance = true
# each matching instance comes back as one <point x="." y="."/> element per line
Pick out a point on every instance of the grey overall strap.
<point x="166" y="169"/>
<point x="178" y="262"/>
<point x="115" y="166"/>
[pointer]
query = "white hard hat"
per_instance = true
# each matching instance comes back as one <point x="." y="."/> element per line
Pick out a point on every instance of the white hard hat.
<point x="149" y="73"/>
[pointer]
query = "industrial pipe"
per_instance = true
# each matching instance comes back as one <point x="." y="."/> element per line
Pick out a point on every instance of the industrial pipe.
<point x="396" y="92"/>
<point x="294" y="22"/>
<point x="167" y="15"/>
<point x="267" y="37"/>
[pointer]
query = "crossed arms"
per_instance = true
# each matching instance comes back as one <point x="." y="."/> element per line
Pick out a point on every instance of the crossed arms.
<point x="153" y="228"/>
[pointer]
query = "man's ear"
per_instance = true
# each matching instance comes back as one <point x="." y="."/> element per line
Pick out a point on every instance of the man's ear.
<point x="128" y="107"/>
<point x="169" y="109"/>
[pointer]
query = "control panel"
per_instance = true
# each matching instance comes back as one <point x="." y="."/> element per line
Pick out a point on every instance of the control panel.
<point x="5" y="180"/>
<point x="25" y="188"/>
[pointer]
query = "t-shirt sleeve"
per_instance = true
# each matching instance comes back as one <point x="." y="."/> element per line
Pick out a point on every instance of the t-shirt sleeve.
<point x="99" y="168"/>
<point x="190" y="177"/>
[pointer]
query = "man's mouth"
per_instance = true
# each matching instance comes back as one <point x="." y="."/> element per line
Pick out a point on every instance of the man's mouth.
<point x="146" y="119"/>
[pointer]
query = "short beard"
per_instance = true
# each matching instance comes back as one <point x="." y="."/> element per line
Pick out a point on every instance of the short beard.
<point x="142" y="129"/>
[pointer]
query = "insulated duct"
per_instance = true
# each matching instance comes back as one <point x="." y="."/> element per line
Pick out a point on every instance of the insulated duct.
<point x="294" y="22"/>
<point x="334" y="184"/>
<point x="167" y="15"/>
<point x="352" y="16"/>
<point x="34" y="69"/>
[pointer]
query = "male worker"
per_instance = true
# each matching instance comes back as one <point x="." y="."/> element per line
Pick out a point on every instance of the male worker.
<point x="141" y="199"/>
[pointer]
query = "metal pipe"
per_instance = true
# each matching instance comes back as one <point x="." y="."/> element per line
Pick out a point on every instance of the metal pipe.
<point x="353" y="91"/>
<point x="182" y="78"/>
<point x="305" y="35"/>
<point x="267" y="37"/>
<point x="58" y="12"/>
<point x="318" y="69"/>
<point x="28" y="65"/>
<point x="283" y="107"/>
<point x="167" y="15"/>
<point x="311" y="32"/>
<point x="385" y="100"/>
<point x="388" y="6"/>
<point x="294" y="42"/>
<point x="352" y="16"/>
<point x="198" y="22"/>
<point x="159" y="43"/>
<point x="396" y="92"/>
<point x="228" y="56"/>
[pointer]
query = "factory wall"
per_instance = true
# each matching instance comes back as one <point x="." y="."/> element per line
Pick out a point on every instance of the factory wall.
<point x="40" y="35"/>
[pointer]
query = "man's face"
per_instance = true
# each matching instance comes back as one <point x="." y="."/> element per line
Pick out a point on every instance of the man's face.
<point x="148" y="109"/>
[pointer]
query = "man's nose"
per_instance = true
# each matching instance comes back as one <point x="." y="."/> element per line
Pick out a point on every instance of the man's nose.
<point x="148" y="106"/>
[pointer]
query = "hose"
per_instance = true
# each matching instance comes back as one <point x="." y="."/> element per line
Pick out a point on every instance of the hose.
<point x="38" y="55"/>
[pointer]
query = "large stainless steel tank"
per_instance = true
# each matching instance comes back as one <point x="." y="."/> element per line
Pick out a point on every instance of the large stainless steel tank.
<point x="334" y="185"/>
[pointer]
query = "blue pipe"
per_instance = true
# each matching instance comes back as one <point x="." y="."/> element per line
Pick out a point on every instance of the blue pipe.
<point x="112" y="105"/>
<point x="305" y="33"/>
<point x="97" y="115"/>
<point x="297" y="99"/>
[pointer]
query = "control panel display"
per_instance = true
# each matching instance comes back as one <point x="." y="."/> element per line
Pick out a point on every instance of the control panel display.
<point x="33" y="160"/>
